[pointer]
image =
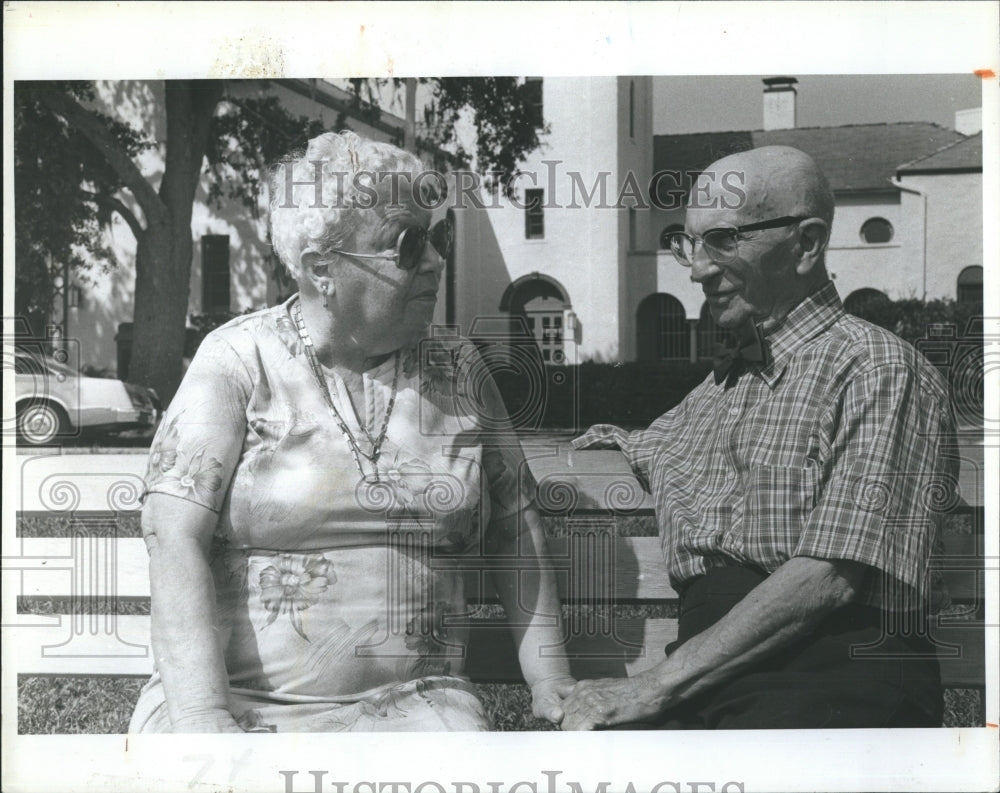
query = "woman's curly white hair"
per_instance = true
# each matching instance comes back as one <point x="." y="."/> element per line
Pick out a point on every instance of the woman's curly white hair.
<point x="297" y="220"/>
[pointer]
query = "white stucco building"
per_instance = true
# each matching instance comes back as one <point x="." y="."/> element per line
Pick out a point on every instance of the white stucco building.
<point x="946" y="188"/>
<point x="557" y="252"/>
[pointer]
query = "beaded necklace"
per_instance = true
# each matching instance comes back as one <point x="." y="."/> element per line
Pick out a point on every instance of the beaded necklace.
<point x="352" y="442"/>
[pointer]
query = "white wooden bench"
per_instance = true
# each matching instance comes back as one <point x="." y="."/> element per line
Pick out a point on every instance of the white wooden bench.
<point x="95" y="561"/>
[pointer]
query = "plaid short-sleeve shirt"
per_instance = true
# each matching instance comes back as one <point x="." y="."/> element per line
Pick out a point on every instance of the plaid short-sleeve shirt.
<point x="834" y="450"/>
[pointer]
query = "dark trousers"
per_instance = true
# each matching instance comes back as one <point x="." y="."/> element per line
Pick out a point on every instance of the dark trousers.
<point x="814" y="682"/>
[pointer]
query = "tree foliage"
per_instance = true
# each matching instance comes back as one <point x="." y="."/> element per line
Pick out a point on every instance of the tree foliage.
<point x="67" y="186"/>
<point x="75" y="166"/>
<point x="247" y="136"/>
<point x="507" y="118"/>
<point x="505" y="113"/>
<point x="63" y="195"/>
<point x="917" y="320"/>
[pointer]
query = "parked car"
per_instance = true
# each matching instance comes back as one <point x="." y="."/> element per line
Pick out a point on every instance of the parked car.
<point x="55" y="403"/>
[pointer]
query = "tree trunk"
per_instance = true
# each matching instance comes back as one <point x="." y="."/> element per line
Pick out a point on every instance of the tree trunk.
<point x="161" y="265"/>
<point x="163" y="259"/>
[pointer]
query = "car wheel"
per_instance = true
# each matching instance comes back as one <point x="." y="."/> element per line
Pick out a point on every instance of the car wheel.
<point x="39" y="424"/>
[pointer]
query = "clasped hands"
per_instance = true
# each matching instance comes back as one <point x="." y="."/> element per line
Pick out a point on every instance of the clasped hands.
<point x="592" y="704"/>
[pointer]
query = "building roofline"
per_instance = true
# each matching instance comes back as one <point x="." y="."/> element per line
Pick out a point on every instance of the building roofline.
<point x="935" y="171"/>
<point x="798" y="129"/>
<point x="906" y="166"/>
<point x="866" y="190"/>
<point x="326" y="95"/>
<point x="385" y="122"/>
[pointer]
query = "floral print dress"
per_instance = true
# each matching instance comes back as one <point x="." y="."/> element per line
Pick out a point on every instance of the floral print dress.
<point x="338" y="598"/>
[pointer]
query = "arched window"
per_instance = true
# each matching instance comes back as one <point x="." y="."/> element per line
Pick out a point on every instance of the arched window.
<point x="876" y="231"/>
<point x="540" y="302"/>
<point x="970" y="286"/>
<point x="662" y="242"/>
<point x="662" y="330"/>
<point x="709" y="334"/>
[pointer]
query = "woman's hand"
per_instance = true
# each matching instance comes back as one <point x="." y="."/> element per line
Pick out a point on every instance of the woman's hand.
<point x="547" y="696"/>
<point x="209" y="721"/>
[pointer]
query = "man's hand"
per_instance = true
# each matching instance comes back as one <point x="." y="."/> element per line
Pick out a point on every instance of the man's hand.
<point x="207" y="721"/>
<point x="605" y="703"/>
<point x="602" y="436"/>
<point x="547" y="697"/>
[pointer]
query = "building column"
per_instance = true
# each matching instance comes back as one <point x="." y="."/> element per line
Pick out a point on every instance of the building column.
<point x="693" y="340"/>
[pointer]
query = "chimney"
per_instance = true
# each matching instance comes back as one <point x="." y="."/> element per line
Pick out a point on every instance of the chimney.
<point x="969" y="122"/>
<point x="779" y="102"/>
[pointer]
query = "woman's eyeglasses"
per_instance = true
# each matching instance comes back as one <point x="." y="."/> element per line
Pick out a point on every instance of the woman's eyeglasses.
<point x="411" y="243"/>
<point x="720" y="244"/>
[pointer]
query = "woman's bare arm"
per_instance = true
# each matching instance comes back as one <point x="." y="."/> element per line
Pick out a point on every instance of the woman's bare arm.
<point x="186" y="644"/>
<point x="527" y="589"/>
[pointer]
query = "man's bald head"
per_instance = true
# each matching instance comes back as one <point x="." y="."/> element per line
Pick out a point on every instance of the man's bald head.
<point x="776" y="181"/>
<point x="760" y="273"/>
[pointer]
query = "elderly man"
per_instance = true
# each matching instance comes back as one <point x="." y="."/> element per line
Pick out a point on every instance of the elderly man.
<point x="790" y="486"/>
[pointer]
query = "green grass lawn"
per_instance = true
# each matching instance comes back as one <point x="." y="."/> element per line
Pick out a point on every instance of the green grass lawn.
<point x="75" y="705"/>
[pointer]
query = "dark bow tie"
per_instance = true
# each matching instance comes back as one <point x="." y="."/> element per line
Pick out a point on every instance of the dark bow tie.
<point x="730" y="361"/>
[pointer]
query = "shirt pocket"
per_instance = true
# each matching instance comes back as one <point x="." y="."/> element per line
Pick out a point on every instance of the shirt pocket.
<point x="776" y="506"/>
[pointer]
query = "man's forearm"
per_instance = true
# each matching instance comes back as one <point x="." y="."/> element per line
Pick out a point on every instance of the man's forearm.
<point x="784" y="607"/>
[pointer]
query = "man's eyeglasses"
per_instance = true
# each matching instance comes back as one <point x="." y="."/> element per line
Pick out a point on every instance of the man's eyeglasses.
<point x="720" y="244"/>
<point x="411" y="243"/>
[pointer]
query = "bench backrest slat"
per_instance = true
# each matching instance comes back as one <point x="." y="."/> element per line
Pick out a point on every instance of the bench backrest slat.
<point x="595" y="570"/>
<point x="570" y="482"/>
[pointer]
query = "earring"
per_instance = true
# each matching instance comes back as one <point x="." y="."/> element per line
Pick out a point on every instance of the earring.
<point x="326" y="295"/>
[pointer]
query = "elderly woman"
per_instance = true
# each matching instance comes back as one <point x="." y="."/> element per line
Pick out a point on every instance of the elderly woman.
<point x="323" y="477"/>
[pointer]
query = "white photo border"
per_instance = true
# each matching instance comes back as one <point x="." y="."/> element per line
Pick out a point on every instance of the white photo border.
<point x="155" y="40"/>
